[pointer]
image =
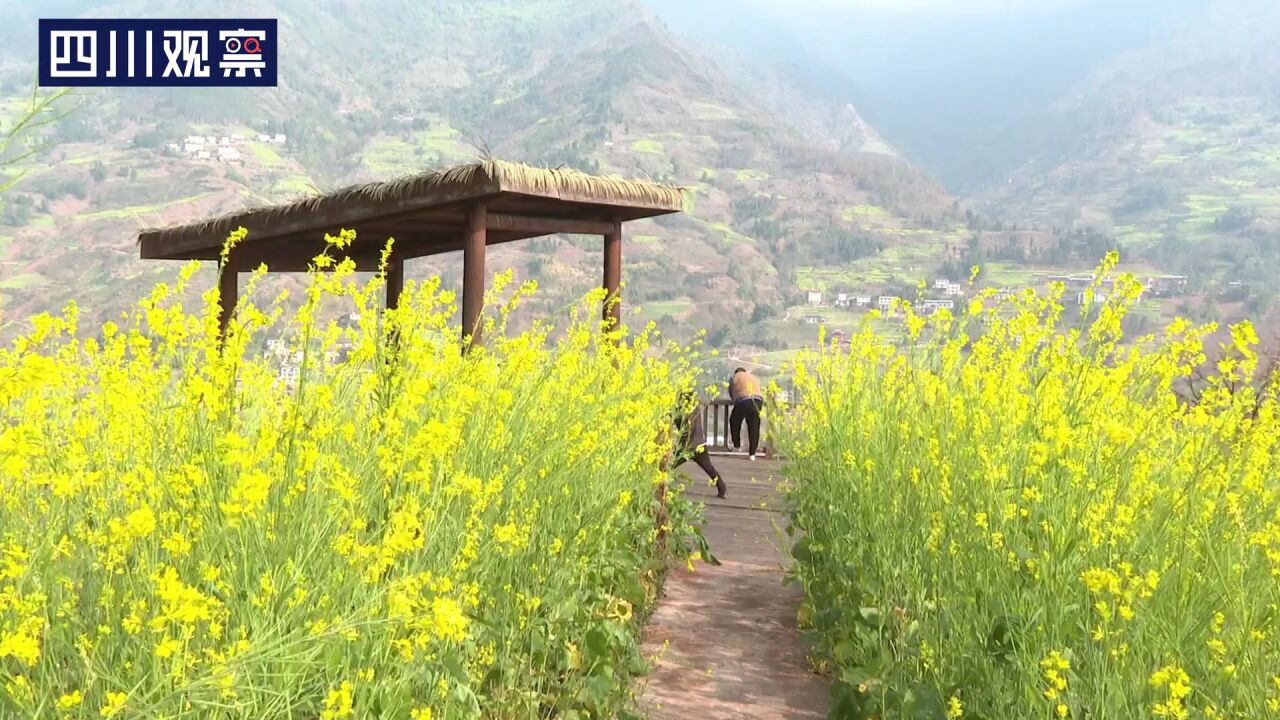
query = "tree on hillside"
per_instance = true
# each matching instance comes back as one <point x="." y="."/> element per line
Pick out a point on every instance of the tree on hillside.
<point x="20" y="141"/>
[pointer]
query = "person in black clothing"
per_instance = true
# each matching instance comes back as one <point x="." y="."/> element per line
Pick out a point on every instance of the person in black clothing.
<point x="744" y="391"/>
<point x="691" y="441"/>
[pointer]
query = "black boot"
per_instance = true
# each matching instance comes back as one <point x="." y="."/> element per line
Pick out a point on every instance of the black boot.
<point x="721" y="488"/>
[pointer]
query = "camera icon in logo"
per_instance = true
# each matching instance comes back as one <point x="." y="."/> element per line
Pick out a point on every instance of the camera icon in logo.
<point x="242" y="52"/>
<point x="250" y="45"/>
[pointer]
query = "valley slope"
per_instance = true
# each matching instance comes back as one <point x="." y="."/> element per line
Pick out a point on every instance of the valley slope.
<point x="372" y="92"/>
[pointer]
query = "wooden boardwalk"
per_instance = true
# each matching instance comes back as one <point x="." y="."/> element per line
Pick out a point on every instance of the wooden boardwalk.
<point x="724" y="637"/>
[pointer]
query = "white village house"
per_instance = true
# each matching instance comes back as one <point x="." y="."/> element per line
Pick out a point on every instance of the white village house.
<point x="814" y="297"/>
<point x="229" y="155"/>
<point x="949" y="288"/>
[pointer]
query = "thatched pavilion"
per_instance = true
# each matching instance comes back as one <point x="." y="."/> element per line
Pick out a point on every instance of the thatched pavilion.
<point x="462" y="208"/>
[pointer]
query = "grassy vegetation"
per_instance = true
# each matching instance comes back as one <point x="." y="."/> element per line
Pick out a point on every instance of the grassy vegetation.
<point x="1128" y="235"/>
<point x="411" y="532"/>
<point x="731" y="237"/>
<point x="648" y="146"/>
<point x="854" y="213"/>
<point x="388" y="158"/>
<point x="711" y="111"/>
<point x="1002" y="273"/>
<point x="445" y="140"/>
<point x="139" y="210"/>
<point x="828" y="278"/>
<point x="294" y="185"/>
<point x="993" y="531"/>
<point x="777" y="358"/>
<point x="264" y="154"/>
<point x="92" y="157"/>
<point x="23" y="281"/>
<point x="660" y="308"/>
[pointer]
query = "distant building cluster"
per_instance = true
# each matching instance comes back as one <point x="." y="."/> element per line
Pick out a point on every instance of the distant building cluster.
<point x="1161" y="286"/>
<point x="220" y="148"/>
<point x="947" y="293"/>
<point x="948" y="288"/>
<point x="846" y="300"/>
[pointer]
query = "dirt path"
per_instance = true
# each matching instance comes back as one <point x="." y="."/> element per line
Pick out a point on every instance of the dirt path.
<point x="725" y="636"/>
<point x="753" y="365"/>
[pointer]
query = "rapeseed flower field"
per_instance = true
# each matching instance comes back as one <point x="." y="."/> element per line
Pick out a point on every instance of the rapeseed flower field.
<point x="1015" y="515"/>
<point x="409" y="532"/>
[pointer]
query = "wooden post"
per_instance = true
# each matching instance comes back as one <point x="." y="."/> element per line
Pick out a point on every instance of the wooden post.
<point x="228" y="294"/>
<point x="613" y="276"/>
<point x="473" y="276"/>
<point x="395" y="281"/>
<point x="660" y="517"/>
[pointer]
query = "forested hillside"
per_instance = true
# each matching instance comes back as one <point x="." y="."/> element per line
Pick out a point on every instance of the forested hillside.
<point x="582" y="83"/>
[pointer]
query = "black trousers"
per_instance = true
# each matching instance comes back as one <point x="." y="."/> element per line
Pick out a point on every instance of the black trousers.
<point x="697" y="454"/>
<point x="703" y="459"/>
<point x="747" y="409"/>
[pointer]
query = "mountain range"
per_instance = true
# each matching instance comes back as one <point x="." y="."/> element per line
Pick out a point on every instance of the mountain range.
<point x="803" y="172"/>
<point x="601" y="86"/>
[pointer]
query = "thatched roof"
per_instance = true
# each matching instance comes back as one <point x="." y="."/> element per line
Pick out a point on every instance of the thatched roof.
<point x="427" y="211"/>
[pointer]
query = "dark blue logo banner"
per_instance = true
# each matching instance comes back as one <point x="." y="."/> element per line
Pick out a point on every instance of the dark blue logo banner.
<point x="158" y="53"/>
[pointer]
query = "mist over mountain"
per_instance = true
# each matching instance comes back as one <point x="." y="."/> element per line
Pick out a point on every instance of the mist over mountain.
<point x="947" y="86"/>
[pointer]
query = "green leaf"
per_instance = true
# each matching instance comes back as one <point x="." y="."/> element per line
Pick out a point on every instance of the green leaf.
<point x="924" y="702"/>
<point x="597" y="643"/>
<point x="846" y="703"/>
<point x="872" y="617"/>
<point x="454" y="667"/>
<point x="802" y="552"/>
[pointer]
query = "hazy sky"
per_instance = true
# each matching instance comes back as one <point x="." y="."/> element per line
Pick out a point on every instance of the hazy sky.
<point x="934" y="6"/>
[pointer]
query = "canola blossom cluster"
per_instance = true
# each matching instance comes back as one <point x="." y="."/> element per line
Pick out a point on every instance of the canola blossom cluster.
<point x="1014" y="513"/>
<point x="408" y="532"/>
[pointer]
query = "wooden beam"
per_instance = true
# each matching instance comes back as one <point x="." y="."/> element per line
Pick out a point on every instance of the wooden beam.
<point x="325" y="214"/>
<point x="613" y="275"/>
<point x="473" y="276"/>
<point x="228" y="294"/>
<point x="395" y="281"/>
<point x="548" y="225"/>
<point x="302" y="263"/>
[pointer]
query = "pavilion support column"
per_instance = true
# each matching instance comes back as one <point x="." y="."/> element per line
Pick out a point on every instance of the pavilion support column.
<point x="473" y="248"/>
<point x="613" y="276"/>
<point x="228" y="294"/>
<point x="395" y="281"/>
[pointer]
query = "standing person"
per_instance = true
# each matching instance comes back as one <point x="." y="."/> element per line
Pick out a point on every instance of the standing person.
<point x="692" y="440"/>
<point x="744" y="391"/>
